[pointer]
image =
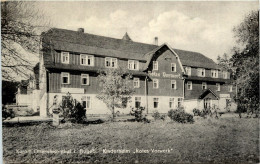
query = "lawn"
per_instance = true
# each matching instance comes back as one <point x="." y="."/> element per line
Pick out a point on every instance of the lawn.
<point x="224" y="140"/>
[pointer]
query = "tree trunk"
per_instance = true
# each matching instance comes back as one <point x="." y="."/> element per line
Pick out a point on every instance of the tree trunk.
<point x="113" y="111"/>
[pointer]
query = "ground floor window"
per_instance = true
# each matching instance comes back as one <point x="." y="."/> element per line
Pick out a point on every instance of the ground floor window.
<point x="180" y="102"/>
<point x="155" y="102"/>
<point x="86" y="102"/>
<point x="171" y="103"/>
<point x="137" y="102"/>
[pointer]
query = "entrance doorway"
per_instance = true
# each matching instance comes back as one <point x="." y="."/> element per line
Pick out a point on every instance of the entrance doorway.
<point x="207" y="103"/>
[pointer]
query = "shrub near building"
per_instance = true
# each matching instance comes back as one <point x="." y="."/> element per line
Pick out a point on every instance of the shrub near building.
<point x="179" y="115"/>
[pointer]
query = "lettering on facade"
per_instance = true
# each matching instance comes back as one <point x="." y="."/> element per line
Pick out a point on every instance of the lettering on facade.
<point x="164" y="74"/>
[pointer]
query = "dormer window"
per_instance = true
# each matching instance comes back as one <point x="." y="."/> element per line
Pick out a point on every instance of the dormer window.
<point x="111" y="62"/>
<point x="214" y="73"/>
<point x="87" y="60"/>
<point x="155" y="65"/>
<point x="201" y="72"/>
<point x="173" y="67"/>
<point x="133" y="65"/>
<point x="188" y="71"/>
<point x="65" y="57"/>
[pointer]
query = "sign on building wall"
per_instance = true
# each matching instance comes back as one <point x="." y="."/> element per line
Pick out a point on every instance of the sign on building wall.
<point x="72" y="90"/>
<point x="164" y="75"/>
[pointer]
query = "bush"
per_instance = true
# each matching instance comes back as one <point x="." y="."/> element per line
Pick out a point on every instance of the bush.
<point x="179" y="115"/>
<point x="196" y="112"/>
<point x="156" y="115"/>
<point x="71" y="110"/>
<point x="7" y="113"/>
<point x="139" y="116"/>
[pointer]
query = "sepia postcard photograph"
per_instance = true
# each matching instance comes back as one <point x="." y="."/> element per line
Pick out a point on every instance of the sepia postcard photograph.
<point x="130" y="82"/>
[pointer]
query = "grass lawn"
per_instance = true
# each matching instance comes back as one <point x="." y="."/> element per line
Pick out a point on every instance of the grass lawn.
<point x="224" y="140"/>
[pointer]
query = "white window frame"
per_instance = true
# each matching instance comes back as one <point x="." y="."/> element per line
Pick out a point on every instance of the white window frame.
<point x="214" y="73"/>
<point x="204" y="84"/>
<point x="68" y="57"/>
<point x="86" y="58"/>
<point x="174" y="82"/>
<point x="136" y="81"/>
<point x="110" y="60"/>
<point x="218" y="86"/>
<point x="155" y="65"/>
<point x="65" y="74"/>
<point x="133" y="64"/>
<point x="179" y="100"/>
<point x="84" y="76"/>
<point x="225" y="74"/>
<point x="199" y="72"/>
<point x="188" y="71"/>
<point x="157" y="100"/>
<point x="157" y="82"/>
<point x="230" y="88"/>
<point x="171" y="101"/>
<point x="87" y="99"/>
<point x="173" y="65"/>
<point x="189" y="83"/>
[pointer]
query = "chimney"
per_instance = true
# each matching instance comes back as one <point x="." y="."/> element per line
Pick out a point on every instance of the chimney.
<point x="156" y="41"/>
<point x="81" y="30"/>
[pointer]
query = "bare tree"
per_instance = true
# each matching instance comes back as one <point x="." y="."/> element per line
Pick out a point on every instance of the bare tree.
<point x="20" y="29"/>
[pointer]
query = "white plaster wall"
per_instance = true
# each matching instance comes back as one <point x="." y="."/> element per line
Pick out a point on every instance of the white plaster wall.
<point x="189" y="105"/>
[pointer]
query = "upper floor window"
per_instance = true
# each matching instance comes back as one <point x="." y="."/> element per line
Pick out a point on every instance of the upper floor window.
<point x="87" y="60"/>
<point x="65" y="57"/>
<point x="173" y="84"/>
<point x="188" y="71"/>
<point x="155" y="83"/>
<point x="230" y="88"/>
<point x="225" y="74"/>
<point x="189" y="85"/>
<point x="86" y="102"/>
<point x="155" y="102"/>
<point x="137" y="102"/>
<point x="218" y="86"/>
<point x="133" y="65"/>
<point x="111" y="62"/>
<point x="173" y="67"/>
<point x="214" y="73"/>
<point x="155" y="65"/>
<point x="204" y="85"/>
<point x="136" y="82"/>
<point x="84" y="79"/>
<point x="171" y="103"/>
<point x="65" y="78"/>
<point x="201" y="72"/>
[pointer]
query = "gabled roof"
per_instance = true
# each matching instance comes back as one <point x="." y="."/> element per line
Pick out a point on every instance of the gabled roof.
<point x="204" y="94"/>
<point x="79" y="42"/>
<point x="126" y="37"/>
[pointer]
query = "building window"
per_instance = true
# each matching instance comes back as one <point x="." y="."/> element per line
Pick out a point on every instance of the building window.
<point x="65" y="78"/>
<point x="155" y="103"/>
<point x="225" y="74"/>
<point x="111" y="62"/>
<point x="84" y="79"/>
<point x="137" y="102"/>
<point x="173" y="84"/>
<point x="65" y="57"/>
<point x="218" y="86"/>
<point x="136" y="82"/>
<point x="230" y="88"/>
<point x="155" y="65"/>
<point x="188" y="71"/>
<point x="179" y="102"/>
<point x="171" y="103"/>
<point x="189" y="85"/>
<point x="214" y="73"/>
<point x="86" y="102"/>
<point x="155" y="83"/>
<point x="87" y="60"/>
<point x="173" y="67"/>
<point x="204" y="85"/>
<point x="133" y="65"/>
<point x="201" y="72"/>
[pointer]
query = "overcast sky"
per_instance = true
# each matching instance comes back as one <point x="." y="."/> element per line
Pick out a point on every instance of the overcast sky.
<point x="204" y="27"/>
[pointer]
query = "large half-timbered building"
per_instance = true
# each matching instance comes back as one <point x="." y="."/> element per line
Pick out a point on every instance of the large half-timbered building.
<point x="163" y="77"/>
